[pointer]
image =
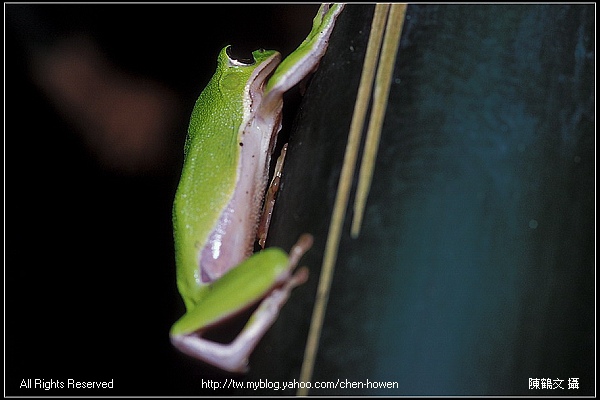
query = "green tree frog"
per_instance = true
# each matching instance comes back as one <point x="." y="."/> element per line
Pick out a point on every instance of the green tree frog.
<point x="216" y="212"/>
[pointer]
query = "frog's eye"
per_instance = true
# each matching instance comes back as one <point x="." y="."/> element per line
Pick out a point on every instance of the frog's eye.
<point x="240" y="56"/>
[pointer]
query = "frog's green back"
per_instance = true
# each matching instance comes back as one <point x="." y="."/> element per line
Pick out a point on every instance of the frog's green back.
<point x="209" y="172"/>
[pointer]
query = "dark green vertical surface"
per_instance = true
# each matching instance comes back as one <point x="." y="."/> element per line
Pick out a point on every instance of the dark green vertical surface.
<point x="475" y="268"/>
<point x="306" y="197"/>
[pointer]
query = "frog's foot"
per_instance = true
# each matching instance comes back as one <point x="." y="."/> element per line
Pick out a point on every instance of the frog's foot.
<point x="233" y="357"/>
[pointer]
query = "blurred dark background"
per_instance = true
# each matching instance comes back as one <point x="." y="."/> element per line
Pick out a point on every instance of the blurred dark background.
<point x="98" y="102"/>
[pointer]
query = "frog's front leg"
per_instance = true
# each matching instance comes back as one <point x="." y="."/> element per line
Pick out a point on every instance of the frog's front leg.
<point x="265" y="220"/>
<point x="233" y="357"/>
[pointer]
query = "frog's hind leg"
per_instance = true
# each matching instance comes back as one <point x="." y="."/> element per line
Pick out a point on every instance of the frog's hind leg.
<point x="233" y="357"/>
